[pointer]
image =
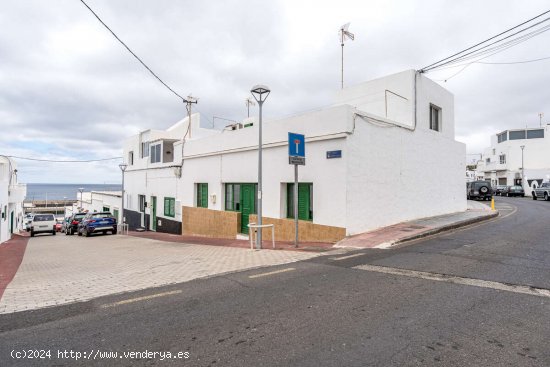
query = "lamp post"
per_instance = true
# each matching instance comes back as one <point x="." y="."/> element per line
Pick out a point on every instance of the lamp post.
<point x="122" y="167"/>
<point x="81" y="189"/>
<point x="522" y="170"/>
<point x="260" y="93"/>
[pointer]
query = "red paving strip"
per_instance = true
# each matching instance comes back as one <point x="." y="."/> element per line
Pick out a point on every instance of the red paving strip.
<point x="382" y="235"/>
<point x="279" y="245"/>
<point x="11" y="255"/>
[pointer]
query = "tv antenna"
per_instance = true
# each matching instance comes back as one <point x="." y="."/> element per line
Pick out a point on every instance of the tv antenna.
<point x="249" y="102"/>
<point x="344" y="35"/>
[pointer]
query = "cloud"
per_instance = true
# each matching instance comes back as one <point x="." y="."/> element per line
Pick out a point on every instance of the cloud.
<point x="70" y="90"/>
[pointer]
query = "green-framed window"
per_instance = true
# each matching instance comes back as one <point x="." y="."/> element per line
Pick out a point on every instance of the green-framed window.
<point x="169" y="207"/>
<point x="305" y="201"/>
<point x="202" y="195"/>
<point x="233" y="197"/>
<point x="106" y="209"/>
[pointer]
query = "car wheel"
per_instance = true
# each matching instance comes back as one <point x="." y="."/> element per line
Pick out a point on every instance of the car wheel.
<point x="534" y="196"/>
<point x="86" y="233"/>
<point x="79" y="232"/>
<point x="32" y="234"/>
<point x="546" y="196"/>
<point x="113" y="231"/>
<point x="54" y="232"/>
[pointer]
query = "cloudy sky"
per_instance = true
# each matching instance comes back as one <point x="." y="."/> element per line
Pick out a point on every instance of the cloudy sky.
<point x="69" y="90"/>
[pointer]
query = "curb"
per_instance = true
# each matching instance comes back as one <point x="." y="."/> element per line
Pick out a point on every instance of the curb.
<point x="445" y="228"/>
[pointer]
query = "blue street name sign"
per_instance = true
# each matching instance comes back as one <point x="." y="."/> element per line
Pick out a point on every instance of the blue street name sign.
<point x="331" y="154"/>
<point x="296" y="145"/>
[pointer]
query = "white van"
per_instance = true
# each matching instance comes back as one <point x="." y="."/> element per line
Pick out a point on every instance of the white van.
<point x="43" y="223"/>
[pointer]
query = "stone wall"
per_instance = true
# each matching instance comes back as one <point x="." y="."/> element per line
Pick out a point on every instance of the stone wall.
<point x="307" y="231"/>
<point x="210" y="223"/>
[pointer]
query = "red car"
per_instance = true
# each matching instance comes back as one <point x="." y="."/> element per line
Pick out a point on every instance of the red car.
<point x="58" y="226"/>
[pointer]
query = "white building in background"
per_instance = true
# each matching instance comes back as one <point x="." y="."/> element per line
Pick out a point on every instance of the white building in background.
<point x="12" y="195"/>
<point x="384" y="153"/>
<point x="97" y="201"/>
<point x="501" y="162"/>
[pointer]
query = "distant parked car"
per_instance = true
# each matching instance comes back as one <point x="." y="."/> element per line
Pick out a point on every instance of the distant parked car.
<point x="58" y="225"/>
<point x="542" y="192"/>
<point x="101" y="222"/>
<point x="28" y="221"/>
<point x="515" y="190"/>
<point x="479" y="190"/>
<point x="72" y="223"/>
<point x="499" y="189"/>
<point x="43" y="223"/>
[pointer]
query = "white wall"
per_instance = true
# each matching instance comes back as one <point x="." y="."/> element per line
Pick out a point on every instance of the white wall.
<point x="12" y="195"/>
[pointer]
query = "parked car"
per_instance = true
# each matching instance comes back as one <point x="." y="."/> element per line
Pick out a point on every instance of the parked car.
<point x="499" y="189"/>
<point x="515" y="190"/>
<point x="43" y="223"/>
<point x="102" y="222"/>
<point x="58" y="225"/>
<point x="542" y="192"/>
<point x="28" y="221"/>
<point x="72" y="224"/>
<point x="479" y="190"/>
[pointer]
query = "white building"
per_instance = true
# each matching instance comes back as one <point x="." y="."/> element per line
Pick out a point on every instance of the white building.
<point x="12" y="195"/>
<point x="97" y="201"/>
<point x="382" y="154"/>
<point x="502" y="161"/>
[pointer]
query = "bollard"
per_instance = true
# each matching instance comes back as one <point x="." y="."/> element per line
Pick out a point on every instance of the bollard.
<point x="492" y="203"/>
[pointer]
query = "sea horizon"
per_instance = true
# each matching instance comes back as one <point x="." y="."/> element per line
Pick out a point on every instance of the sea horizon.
<point x="64" y="191"/>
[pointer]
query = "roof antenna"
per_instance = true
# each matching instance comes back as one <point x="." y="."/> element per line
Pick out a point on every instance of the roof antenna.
<point x="344" y="34"/>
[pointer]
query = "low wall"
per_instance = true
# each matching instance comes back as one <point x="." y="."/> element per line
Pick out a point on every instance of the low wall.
<point x="307" y="231"/>
<point x="210" y="223"/>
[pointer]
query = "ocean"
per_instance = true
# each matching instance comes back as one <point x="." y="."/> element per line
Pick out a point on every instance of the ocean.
<point x="39" y="191"/>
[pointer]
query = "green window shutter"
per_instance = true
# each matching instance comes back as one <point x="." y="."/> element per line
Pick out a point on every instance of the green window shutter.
<point x="290" y="200"/>
<point x="204" y="195"/>
<point x="169" y="207"/>
<point x="173" y="207"/>
<point x="303" y="201"/>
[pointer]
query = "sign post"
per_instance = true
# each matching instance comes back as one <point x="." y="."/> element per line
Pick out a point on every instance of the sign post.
<point x="297" y="157"/>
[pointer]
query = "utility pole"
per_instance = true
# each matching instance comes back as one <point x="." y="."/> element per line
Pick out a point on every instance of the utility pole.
<point x="344" y="35"/>
<point x="188" y="103"/>
<point x="541" y="114"/>
<point x="249" y="102"/>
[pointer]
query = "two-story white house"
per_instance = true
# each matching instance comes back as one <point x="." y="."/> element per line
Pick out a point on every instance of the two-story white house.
<point x="12" y="195"/>
<point x="511" y="150"/>
<point x="383" y="153"/>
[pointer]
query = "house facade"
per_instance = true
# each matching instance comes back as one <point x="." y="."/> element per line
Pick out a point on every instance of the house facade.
<point x="383" y="153"/>
<point x="97" y="201"/>
<point x="501" y="163"/>
<point x="12" y="195"/>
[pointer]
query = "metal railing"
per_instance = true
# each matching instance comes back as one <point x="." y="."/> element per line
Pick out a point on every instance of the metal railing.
<point x="251" y="231"/>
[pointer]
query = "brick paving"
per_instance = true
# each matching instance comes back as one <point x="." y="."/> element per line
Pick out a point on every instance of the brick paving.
<point x="64" y="269"/>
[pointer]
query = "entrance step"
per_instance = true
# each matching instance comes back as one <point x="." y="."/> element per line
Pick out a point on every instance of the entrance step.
<point x="242" y="236"/>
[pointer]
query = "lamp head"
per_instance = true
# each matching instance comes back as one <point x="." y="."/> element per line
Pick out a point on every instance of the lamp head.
<point x="260" y="92"/>
<point x="123" y="166"/>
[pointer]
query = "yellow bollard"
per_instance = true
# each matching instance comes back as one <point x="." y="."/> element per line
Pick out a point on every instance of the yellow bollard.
<point x="492" y="203"/>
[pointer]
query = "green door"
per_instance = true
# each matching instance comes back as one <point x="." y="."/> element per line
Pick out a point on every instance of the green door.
<point x="154" y="213"/>
<point x="248" y="205"/>
<point x="11" y="222"/>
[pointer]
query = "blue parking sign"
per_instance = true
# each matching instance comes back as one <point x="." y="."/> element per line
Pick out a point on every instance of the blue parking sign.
<point x="296" y="145"/>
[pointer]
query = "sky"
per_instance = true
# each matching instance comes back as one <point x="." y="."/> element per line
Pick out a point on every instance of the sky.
<point x="70" y="91"/>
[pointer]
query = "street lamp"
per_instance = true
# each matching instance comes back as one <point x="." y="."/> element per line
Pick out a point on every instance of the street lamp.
<point x="260" y="93"/>
<point x="123" y="167"/>
<point x="522" y="170"/>
<point x="81" y="189"/>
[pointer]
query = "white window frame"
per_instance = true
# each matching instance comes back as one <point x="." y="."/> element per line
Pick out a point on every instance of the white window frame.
<point x="435" y="111"/>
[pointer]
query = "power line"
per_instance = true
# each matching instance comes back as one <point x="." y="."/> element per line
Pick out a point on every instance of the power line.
<point x="136" y="56"/>
<point x="501" y="47"/>
<point x="487" y="40"/>
<point x="64" y="161"/>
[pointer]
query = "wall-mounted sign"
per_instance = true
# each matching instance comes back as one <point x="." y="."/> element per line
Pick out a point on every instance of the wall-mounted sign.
<point x="334" y="154"/>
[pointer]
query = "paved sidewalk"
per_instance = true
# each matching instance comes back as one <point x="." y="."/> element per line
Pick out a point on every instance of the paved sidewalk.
<point x="64" y="269"/>
<point x="392" y="235"/>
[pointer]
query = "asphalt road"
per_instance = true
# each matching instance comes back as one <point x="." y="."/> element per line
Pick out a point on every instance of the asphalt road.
<point x="473" y="297"/>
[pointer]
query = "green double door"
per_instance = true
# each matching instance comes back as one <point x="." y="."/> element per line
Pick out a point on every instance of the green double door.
<point x="153" y="213"/>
